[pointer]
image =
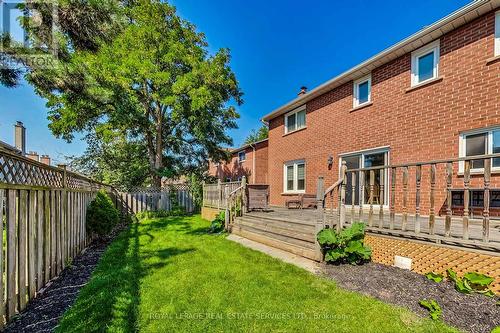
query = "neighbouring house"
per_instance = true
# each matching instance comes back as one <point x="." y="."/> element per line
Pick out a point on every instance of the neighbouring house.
<point x="249" y="160"/>
<point x="20" y="145"/>
<point x="434" y="95"/>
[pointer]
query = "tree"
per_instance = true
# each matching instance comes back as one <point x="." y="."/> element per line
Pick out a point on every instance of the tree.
<point x="257" y="135"/>
<point x="145" y="84"/>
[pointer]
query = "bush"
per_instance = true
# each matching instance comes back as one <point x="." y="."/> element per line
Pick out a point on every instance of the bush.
<point x="346" y="245"/>
<point x="102" y="215"/>
<point x="218" y="223"/>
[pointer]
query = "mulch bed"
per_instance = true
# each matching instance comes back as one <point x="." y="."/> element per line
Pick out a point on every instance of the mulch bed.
<point x="44" y="312"/>
<point x="473" y="313"/>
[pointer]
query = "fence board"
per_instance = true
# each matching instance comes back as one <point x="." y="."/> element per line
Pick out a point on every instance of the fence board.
<point x="2" y="303"/>
<point x="31" y="244"/>
<point x="21" y="235"/>
<point x="11" y="254"/>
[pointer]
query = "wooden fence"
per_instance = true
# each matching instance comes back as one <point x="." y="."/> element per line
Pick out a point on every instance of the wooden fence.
<point x="215" y="195"/>
<point x="154" y="199"/>
<point x="43" y="211"/>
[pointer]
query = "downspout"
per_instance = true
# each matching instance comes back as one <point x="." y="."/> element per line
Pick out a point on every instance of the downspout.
<point x="253" y="163"/>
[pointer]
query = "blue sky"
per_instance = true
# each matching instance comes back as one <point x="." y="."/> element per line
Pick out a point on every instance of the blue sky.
<point x="277" y="46"/>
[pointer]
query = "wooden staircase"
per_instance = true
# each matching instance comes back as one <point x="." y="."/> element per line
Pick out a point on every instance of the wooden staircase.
<point x="294" y="235"/>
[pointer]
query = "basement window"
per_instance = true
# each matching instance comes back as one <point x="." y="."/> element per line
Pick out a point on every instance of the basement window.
<point x="362" y="91"/>
<point x="425" y="64"/>
<point x="295" y="120"/>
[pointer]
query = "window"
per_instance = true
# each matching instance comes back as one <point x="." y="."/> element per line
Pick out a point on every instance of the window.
<point x="242" y="156"/>
<point x="481" y="142"/>
<point x="295" y="120"/>
<point x="366" y="159"/>
<point x="425" y="64"/>
<point x="295" y="177"/>
<point x="362" y="91"/>
<point x="497" y="34"/>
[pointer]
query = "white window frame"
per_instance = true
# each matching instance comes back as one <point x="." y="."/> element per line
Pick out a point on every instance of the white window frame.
<point x="357" y="83"/>
<point x="295" y="176"/>
<point x="497" y="34"/>
<point x="489" y="148"/>
<point x="387" y="151"/>
<point x="239" y="156"/>
<point x="416" y="55"/>
<point x="294" y="112"/>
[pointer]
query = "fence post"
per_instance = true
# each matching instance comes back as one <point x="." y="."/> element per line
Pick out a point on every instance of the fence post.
<point x="343" y="174"/>
<point x="228" y="209"/>
<point x="64" y="217"/>
<point x="244" y="195"/>
<point x="219" y="193"/>
<point x="320" y="223"/>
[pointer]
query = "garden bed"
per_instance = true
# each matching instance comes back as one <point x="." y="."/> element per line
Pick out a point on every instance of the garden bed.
<point x="44" y="312"/>
<point x="473" y="313"/>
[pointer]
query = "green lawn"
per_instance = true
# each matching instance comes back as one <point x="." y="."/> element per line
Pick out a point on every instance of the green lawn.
<point x="168" y="275"/>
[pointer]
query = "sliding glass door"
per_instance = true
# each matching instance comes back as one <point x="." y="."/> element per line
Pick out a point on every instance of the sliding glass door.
<point x="366" y="160"/>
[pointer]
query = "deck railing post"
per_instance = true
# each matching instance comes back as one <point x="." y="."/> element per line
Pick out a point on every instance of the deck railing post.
<point x="244" y="195"/>
<point x="343" y="174"/>
<point x="321" y="220"/>
<point x="449" y="179"/>
<point x="227" y="215"/>
<point x="486" y="200"/>
<point x="219" y="194"/>
<point x="465" y="231"/>
<point x="370" y="197"/>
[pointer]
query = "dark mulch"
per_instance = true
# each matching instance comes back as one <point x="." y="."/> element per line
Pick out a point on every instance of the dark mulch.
<point x="43" y="313"/>
<point x="473" y="313"/>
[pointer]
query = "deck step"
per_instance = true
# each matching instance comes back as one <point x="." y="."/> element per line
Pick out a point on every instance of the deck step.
<point x="284" y="221"/>
<point x="277" y="242"/>
<point x="286" y="229"/>
<point x="271" y="232"/>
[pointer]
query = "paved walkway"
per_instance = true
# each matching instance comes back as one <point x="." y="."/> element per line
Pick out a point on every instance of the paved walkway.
<point x="307" y="264"/>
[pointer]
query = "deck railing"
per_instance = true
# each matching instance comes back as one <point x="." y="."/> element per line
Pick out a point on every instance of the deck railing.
<point x="429" y="201"/>
<point x="215" y="195"/>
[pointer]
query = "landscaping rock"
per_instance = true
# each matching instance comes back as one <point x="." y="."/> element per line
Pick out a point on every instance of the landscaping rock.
<point x="473" y="313"/>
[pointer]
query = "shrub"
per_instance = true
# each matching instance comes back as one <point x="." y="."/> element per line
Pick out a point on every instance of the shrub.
<point x="218" y="223"/>
<point x="102" y="215"/>
<point x="147" y="214"/>
<point x="436" y="277"/>
<point x="472" y="282"/>
<point x="435" y="310"/>
<point x="346" y="245"/>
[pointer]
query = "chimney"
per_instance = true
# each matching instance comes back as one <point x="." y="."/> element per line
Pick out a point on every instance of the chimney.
<point x="45" y="159"/>
<point x="303" y="91"/>
<point x="20" y="137"/>
<point x="32" y="155"/>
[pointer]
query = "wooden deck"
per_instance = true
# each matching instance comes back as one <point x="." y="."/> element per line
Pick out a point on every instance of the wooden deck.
<point x="312" y="217"/>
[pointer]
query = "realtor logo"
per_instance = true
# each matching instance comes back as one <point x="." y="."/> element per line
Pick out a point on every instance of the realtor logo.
<point x="18" y="47"/>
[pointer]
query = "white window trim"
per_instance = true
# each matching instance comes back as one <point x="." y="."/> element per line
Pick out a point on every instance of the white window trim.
<point x="295" y="177"/>
<point x="302" y="108"/>
<point x="415" y="55"/>
<point x="387" y="181"/>
<point x="357" y="83"/>
<point x="489" y="148"/>
<point x="497" y="34"/>
<point x="239" y="158"/>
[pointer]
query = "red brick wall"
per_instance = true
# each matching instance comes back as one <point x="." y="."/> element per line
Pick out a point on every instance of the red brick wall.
<point x="418" y="125"/>
<point x="234" y="169"/>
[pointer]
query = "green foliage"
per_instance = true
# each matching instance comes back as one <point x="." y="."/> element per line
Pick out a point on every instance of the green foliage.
<point x="496" y="330"/>
<point x="472" y="282"/>
<point x="435" y="310"/>
<point x="346" y="245"/>
<point x="102" y="215"/>
<point x="217" y="225"/>
<point x="436" y="277"/>
<point x="145" y="215"/>
<point x="257" y="135"/>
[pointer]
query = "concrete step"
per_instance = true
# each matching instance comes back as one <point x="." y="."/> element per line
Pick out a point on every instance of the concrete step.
<point x="285" y="229"/>
<point x="274" y="241"/>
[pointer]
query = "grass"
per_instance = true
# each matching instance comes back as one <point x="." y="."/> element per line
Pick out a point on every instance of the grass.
<point x="169" y="275"/>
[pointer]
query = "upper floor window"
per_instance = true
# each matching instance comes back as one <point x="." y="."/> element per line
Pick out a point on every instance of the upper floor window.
<point x="295" y="120"/>
<point x="481" y="142"/>
<point x="362" y="91"/>
<point x="242" y="156"/>
<point x="425" y="63"/>
<point x="497" y="33"/>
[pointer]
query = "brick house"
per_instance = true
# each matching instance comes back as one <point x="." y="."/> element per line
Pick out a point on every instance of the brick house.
<point x="434" y="95"/>
<point x="249" y="160"/>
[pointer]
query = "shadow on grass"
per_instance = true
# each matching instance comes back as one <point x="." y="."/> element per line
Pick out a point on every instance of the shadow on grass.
<point x="110" y="300"/>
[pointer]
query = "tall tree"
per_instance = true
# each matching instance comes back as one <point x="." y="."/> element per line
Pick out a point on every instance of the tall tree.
<point x="147" y="82"/>
<point x="257" y="135"/>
